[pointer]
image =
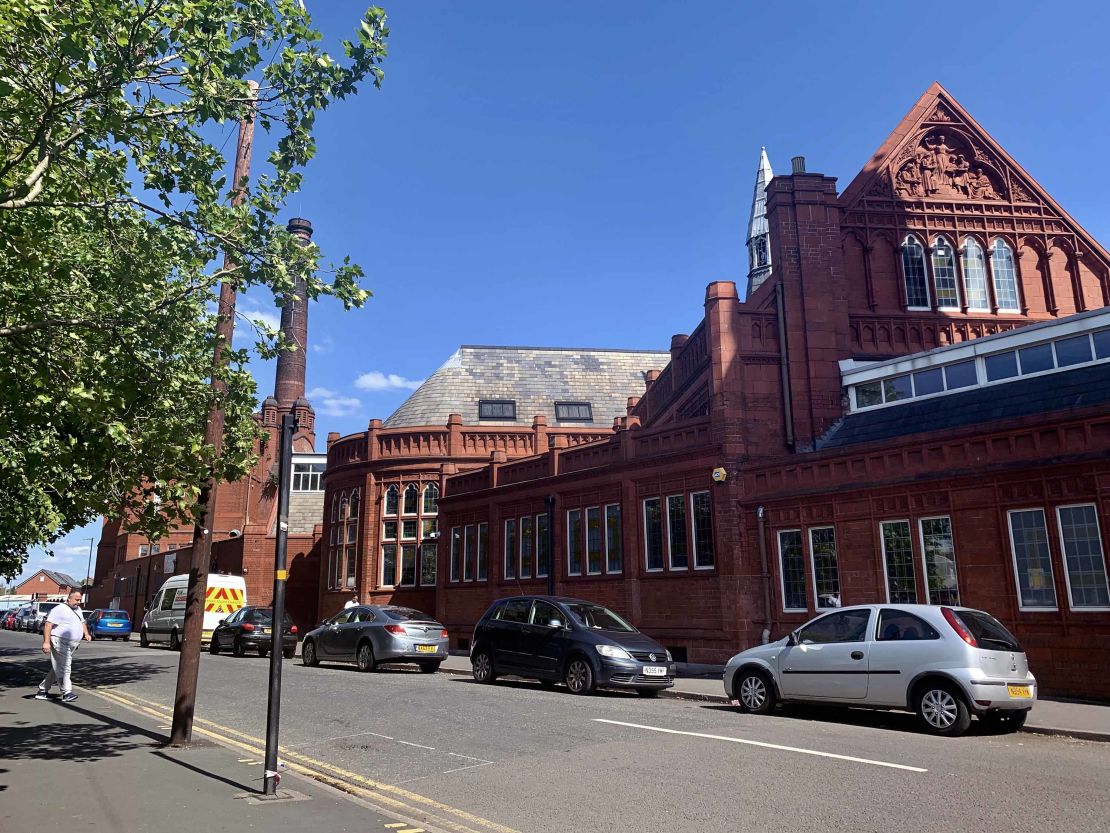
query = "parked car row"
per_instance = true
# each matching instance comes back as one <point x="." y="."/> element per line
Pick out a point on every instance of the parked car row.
<point x="29" y="617"/>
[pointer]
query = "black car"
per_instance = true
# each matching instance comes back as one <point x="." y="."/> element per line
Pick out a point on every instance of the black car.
<point x="581" y="643"/>
<point x="249" y="629"/>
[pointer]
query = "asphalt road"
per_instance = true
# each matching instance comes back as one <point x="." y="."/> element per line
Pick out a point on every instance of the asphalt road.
<point x="536" y="760"/>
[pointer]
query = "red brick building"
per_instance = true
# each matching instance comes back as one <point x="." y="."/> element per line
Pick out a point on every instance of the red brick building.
<point x="46" y="583"/>
<point x="912" y="404"/>
<point x="130" y="569"/>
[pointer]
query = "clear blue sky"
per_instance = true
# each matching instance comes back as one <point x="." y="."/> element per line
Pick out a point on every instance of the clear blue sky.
<point x="575" y="173"/>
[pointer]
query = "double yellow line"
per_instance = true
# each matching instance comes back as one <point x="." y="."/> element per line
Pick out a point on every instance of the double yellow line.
<point x="387" y="796"/>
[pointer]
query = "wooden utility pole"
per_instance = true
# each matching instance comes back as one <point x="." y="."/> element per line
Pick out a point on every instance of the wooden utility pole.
<point x="184" y="701"/>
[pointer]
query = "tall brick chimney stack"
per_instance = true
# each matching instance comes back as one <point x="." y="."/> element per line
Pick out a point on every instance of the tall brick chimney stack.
<point x="290" y="382"/>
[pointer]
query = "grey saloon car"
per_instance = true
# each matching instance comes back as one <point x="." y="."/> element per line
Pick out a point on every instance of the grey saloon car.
<point x="373" y="635"/>
<point x="944" y="663"/>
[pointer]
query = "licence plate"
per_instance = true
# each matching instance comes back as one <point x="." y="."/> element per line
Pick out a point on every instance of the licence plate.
<point x="655" y="671"/>
<point x="1018" y="690"/>
<point x="115" y="625"/>
<point x="265" y="631"/>
<point x="425" y="649"/>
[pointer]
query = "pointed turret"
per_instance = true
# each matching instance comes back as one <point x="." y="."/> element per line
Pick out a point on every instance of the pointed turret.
<point x="759" y="243"/>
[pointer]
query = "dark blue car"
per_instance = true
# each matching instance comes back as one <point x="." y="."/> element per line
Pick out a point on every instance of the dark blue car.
<point x="109" y="623"/>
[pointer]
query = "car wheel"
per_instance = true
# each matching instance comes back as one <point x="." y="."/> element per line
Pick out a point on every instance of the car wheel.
<point x="289" y="653"/>
<point x="429" y="667"/>
<point x="365" y="657"/>
<point x="482" y="668"/>
<point x="263" y="652"/>
<point x="175" y="643"/>
<point x="308" y="654"/>
<point x="1004" y="722"/>
<point x="214" y="646"/>
<point x="579" y="676"/>
<point x="237" y="647"/>
<point x="941" y="710"/>
<point x="143" y="641"/>
<point x="648" y="692"/>
<point x="755" y="693"/>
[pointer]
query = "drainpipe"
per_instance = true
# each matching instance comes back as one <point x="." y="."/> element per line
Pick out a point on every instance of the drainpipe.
<point x="766" y="635"/>
<point x="784" y="369"/>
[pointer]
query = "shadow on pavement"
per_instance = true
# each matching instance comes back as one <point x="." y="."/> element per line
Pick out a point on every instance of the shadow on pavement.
<point x="88" y="672"/>
<point x="867" y="718"/>
<point x="173" y="759"/>
<point x="80" y="742"/>
<point x="534" y="685"/>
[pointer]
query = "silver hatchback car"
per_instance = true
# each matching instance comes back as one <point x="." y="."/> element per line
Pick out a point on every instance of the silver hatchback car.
<point x="944" y="663"/>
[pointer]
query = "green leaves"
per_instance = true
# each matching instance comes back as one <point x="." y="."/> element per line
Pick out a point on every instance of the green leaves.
<point x="114" y="213"/>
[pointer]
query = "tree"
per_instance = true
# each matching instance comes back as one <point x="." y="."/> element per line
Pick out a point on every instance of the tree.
<point x="113" y="212"/>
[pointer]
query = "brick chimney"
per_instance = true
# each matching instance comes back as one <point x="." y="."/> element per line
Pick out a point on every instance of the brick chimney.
<point x="290" y="381"/>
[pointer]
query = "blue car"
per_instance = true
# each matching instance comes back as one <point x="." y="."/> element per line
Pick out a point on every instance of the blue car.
<point x="109" y="623"/>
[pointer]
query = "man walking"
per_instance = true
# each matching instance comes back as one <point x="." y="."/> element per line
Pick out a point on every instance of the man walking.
<point x="351" y="602"/>
<point x="62" y="633"/>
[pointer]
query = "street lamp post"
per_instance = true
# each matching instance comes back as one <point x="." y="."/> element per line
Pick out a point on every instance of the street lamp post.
<point x="85" y="583"/>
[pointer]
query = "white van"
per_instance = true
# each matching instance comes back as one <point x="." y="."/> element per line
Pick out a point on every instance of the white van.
<point x="165" y="618"/>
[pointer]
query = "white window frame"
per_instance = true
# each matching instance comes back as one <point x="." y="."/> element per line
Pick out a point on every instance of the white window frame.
<point x="1013" y="561"/>
<point x="813" y="567"/>
<point x="924" y="565"/>
<point x="466" y="537"/>
<point x="668" y="561"/>
<point x="989" y="254"/>
<point x="454" y="565"/>
<point x="401" y="511"/>
<point x="928" y="289"/>
<point x="882" y="547"/>
<point x="643" y="522"/>
<point x="385" y="502"/>
<point x="960" y="297"/>
<point x="415" y="567"/>
<point x="1064" y="556"/>
<point x="782" y="572"/>
<point x="396" y="564"/>
<point x="694" y="532"/>
<point x="987" y="288"/>
<point x="520" y="547"/>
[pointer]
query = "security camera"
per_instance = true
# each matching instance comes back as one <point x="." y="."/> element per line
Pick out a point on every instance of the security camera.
<point x="234" y="533"/>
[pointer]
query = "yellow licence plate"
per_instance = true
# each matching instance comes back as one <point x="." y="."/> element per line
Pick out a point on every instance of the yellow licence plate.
<point x="265" y="631"/>
<point x="1018" y="690"/>
<point x="425" y="649"/>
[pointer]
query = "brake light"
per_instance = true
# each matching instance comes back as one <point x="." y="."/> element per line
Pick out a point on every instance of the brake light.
<point x="248" y="627"/>
<point x="396" y="629"/>
<point x="444" y="634"/>
<point x="952" y="619"/>
<point x="293" y="629"/>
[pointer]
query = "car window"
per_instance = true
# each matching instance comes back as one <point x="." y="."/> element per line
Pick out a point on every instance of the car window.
<point x="988" y="631"/>
<point x="343" y="616"/>
<point x="167" y="599"/>
<point x="845" y="626"/>
<point x="598" y="618"/>
<point x="405" y="614"/>
<point x="365" y="614"/>
<point x="114" y="614"/>
<point x="900" y="626"/>
<point x="515" y="610"/>
<point x="544" y="612"/>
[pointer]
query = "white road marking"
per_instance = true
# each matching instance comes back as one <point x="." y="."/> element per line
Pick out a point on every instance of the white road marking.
<point x="417" y="745"/>
<point x="764" y="745"/>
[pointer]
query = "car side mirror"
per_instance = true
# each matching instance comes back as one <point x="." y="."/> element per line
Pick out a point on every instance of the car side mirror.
<point x="792" y="639"/>
<point x="223" y="621"/>
<point x="554" y="623"/>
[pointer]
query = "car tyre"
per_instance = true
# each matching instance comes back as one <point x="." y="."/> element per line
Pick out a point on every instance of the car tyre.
<point x="579" y="676"/>
<point x="755" y="691"/>
<point x="429" y="667"/>
<point x="214" y="646"/>
<point x="308" y="654"/>
<point x="941" y="709"/>
<point x="289" y="653"/>
<point x="481" y="667"/>
<point x="175" y="642"/>
<point x="144" y="642"/>
<point x="237" y="648"/>
<point x="364" y="658"/>
<point x="263" y="652"/>
<point x="1004" y="722"/>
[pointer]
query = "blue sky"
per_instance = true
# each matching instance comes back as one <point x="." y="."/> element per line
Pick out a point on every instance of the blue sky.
<point x="575" y="173"/>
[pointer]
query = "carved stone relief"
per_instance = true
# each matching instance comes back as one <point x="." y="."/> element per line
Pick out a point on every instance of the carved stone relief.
<point x="944" y="165"/>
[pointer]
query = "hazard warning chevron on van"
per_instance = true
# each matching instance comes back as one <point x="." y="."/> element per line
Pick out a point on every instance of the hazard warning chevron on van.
<point x="222" y="600"/>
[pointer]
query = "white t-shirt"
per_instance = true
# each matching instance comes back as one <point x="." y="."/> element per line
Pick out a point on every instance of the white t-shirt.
<point x="350" y="603"/>
<point x="68" y="623"/>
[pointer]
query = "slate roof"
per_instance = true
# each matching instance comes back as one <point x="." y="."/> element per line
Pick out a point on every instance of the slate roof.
<point x="62" y="578"/>
<point x="535" y="378"/>
<point x="1080" y="388"/>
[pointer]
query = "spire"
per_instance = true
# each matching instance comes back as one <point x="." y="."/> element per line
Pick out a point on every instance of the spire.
<point x="290" y="377"/>
<point x="759" y="241"/>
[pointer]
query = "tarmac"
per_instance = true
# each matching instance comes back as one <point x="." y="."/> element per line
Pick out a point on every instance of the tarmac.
<point x="1086" y="721"/>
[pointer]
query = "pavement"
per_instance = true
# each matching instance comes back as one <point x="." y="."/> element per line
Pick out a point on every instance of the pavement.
<point x="1086" y="721"/>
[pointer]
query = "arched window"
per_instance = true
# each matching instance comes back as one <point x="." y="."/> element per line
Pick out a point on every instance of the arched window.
<point x="344" y="508"/>
<point x="334" y="508"/>
<point x="431" y="499"/>
<point x="411" y="496"/>
<point x="944" y="274"/>
<point x="975" y="276"/>
<point x="353" y="513"/>
<point x="913" y="268"/>
<point x="761" y="251"/>
<point x="391" y="500"/>
<point x="1005" y="277"/>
